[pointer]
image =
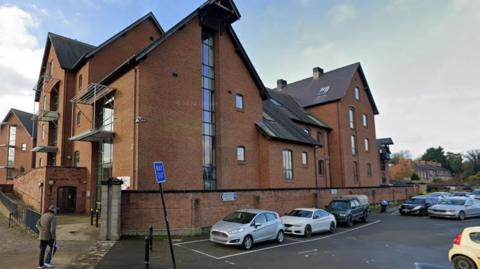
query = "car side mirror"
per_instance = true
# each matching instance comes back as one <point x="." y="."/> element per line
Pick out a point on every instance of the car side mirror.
<point x="253" y="224"/>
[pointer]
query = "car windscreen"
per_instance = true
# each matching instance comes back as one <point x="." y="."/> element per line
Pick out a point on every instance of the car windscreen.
<point x="475" y="193"/>
<point x="339" y="205"/>
<point x="416" y="201"/>
<point x="240" y="217"/>
<point x="453" y="202"/>
<point x="300" y="213"/>
<point x="459" y="194"/>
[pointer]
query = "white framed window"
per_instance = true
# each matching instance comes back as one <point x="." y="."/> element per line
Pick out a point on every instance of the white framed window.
<point x="287" y="164"/>
<point x="304" y="158"/>
<point x="43" y="133"/>
<point x="239" y="102"/>
<point x="24" y="147"/>
<point x="367" y="144"/>
<point x="241" y="153"/>
<point x="76" y="159"/>
<point x="364" y="120"/>
<point x="351" y="117"/>
<point x="11" y="157"/>
<point x="357" y="93"/>
<point x="353" y="144"/>
<point x="12" y="135"/>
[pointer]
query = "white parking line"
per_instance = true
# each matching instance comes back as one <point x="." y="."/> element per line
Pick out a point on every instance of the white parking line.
<point x="278" y="246"/>
<point x="191" y="242"/>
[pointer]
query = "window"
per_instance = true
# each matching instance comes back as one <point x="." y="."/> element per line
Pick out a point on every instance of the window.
<point x="367" y="144"/>
<point x="44" y="104"/>
<point x="287" y="164"/>
<point x="12" y="135"/>
<point x="48" y="71"/>
<point x="24" y="147"/>
<point x="304" y="158"/>
<point x="355" y="171"/>
<point x="321" y="167"/>
<point x="76" y="159"/>
<point x="10" y="173"/>
<point x="306" y="130"/>
<point x="79" y="118"/>
<point x="364" y="120"/>
<point x="208" y="110"/>
<point x="80" y="82"/>
<point x="369" y="169"/>
<point x="271" y="216"/>
<point x="351" y="118"/>
<point x="475" y="237"/>
<point x="260" y="219"/>
<point x="353" y="144"/>
<point x="22" y="170"/>
<point x="241" y="153"/>
<point x="357" y="93"/>
<point x="239" y="102"/>
<point x="11" y="157"/>
<point x="43" y="133"/>
<point x="320" y="138"/>
<point x="40" y="163"/>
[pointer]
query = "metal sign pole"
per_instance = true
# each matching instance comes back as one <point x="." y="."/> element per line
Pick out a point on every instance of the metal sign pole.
<point x="168" y="226"/>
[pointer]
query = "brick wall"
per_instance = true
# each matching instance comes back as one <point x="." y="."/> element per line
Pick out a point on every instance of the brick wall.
<point x="28" y="189"/>
<point x="190" y="211"/>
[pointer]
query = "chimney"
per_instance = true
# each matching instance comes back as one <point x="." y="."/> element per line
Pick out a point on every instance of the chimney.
<point x="317" y="72"/>
<point x="281" y="83"/>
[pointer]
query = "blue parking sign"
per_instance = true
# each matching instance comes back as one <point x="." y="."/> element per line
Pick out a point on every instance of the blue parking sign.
<point x="159" y="172"/>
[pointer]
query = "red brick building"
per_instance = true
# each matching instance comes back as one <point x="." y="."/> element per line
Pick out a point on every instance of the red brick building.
<point x="192" y="98"/>
<point x="342" y="98"/>
<point x="16" y="141"/>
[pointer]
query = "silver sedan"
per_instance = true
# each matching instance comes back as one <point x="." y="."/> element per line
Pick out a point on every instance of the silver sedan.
<point x="458" y="208"/>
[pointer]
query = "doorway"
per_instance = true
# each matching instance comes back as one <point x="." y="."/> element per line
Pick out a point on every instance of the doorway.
<point x="66" y="199"/>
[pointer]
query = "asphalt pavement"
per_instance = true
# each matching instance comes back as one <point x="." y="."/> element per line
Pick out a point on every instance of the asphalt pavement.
<point x="385" y="241"/>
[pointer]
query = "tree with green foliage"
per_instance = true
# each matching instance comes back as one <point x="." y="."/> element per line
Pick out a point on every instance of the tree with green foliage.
<point x="436" y="155"/>
<point x="455" y="163"/>
<point x="415" y="176"/>
<point x="472" y="165"/>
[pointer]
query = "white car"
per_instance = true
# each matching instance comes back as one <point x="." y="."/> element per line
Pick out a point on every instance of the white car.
<point x="465" y="251"/>
<point x="306" y="221"/>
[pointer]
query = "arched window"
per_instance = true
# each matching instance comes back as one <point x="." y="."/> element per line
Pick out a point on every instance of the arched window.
<point x="351" y="117"/>
<point x="367" y="144"/>
<point x="80" y="82"/>
<point x="79" y="117"/>
<point x="241" y="153"/>
<point x="287" y="164"/>
<point x="76" y="159"/>
<point x="357" y="93"/>
<point x="364" y="120"/>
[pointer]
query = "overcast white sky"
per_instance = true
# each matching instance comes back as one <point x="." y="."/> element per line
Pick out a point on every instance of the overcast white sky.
<point x="421" y="58"/>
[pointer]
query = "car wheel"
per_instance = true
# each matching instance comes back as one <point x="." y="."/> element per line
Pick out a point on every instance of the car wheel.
<point x="424" y="212"/>
<point x="280" y="237"/>
<point x="247" y="242"/>
<point x="402" y="213"/>
<point x="461" y="216"/>
<point x="462" y="262"/>
<point x="333" y="227"/>
<point x="308" y="231"/>
<point x="364" y="216"/>
<point x="350" y="221"/>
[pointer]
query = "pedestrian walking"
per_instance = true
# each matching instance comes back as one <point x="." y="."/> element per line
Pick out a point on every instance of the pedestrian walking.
<point x="46" y="226"/>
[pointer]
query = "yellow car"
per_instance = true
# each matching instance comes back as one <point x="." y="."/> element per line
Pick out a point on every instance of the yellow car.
<point x="465" y="252"/>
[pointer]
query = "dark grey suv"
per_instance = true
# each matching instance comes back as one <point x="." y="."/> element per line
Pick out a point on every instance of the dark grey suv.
<point x="348" y="210"/>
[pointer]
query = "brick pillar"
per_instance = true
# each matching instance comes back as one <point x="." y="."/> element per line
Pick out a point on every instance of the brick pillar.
<point x="110" y="209"/>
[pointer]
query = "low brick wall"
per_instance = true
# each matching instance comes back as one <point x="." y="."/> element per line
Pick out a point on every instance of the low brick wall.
<point x="189" y="212"/>
<point x="27" y="187"/>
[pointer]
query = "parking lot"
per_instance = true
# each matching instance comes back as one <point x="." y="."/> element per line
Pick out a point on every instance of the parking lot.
<point x="385" y="241"/>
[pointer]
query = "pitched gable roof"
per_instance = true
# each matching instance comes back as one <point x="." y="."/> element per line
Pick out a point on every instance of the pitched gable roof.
<point x="334" y="85"/>
<point x="68" y="50"/>
<point x="276" y="124"/>
<point x="133" y="61"/>
<point x="89" y="54"/>
<point x="25" y="118"/>
<point x="295" y="111"/>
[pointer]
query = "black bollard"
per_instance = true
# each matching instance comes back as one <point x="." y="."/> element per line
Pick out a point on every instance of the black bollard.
<point x="10" y="219"/>
<point x="150" y="237"/>
<point x="147" y="252"/>
<point x="96" y="217"/>
<point x="91" y="216"/>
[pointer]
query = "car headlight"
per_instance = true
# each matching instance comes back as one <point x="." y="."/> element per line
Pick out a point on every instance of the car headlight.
<point x="236" y="231"/>
<point x="417" y="207"/>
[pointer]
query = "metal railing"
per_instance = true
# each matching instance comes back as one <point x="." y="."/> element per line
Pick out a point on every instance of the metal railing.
<point x="30" y="220"/>
<point x="8" y="203"/>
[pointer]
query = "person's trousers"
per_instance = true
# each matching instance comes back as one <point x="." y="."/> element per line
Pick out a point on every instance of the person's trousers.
<point x="43" y="247"/>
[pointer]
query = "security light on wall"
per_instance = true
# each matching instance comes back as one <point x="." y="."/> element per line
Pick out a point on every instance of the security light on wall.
<point x="139" y="119"/>
<point x="51" y="182"/>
